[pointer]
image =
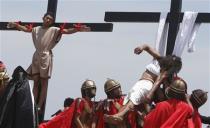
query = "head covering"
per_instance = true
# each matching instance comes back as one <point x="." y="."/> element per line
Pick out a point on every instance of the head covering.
<point x="179" y="78"/>
<point x="88" y="84"/>
<point x="87" y="89"/>
<point x="177" y="89"/>
<point x="110" y="85"/>
<point x="198" y="98"/>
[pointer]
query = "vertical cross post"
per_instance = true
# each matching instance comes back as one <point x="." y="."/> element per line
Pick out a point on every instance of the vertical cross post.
<point x="175" y="16"/>
<point x="52" y="7"/>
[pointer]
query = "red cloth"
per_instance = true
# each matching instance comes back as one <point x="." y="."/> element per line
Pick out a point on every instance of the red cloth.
<point x="132" y="119"/>
<point x="62" y="120"/>
<point x="65" y="118"/>
<point x="133" y="116"/>
<point x="195" y="121"/>
<point x="112" y="109"/>
<point x="172" y="113"/>
<point x="100" y="122"/>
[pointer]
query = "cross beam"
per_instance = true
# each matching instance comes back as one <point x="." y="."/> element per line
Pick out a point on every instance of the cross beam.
<point x="174" y="17"/>
<point x="95" y="27"/>
<point x="148" y="17"/>
<point x="52" y="7"/>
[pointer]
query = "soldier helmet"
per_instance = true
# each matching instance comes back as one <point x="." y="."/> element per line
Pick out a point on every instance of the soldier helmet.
<point x="177" y="89"/>
<point x="88" y="84"/>
<point x="111" y="84"/>
<point x="198" y="98"/>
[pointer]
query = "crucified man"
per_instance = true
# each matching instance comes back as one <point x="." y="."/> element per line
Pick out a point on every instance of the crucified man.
<point x="45" y="38"/>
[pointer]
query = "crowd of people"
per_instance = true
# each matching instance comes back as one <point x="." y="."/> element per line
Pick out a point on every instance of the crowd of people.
<point x="164" y="104"/>
<point x="159" y="99"/>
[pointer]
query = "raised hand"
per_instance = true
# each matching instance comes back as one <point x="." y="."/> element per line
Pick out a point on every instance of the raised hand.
<point x="138" y="50"/>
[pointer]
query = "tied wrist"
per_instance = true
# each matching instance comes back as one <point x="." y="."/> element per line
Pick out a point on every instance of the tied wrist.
<point x="78" y="26"/>
<point x="77" y="29"/>
<point x="17" y="23"/>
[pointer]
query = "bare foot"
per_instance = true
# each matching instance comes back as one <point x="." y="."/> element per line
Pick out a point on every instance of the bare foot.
<point x="112" y="119"/>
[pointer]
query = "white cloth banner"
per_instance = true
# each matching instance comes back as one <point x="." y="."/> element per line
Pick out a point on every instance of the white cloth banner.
<point x="162" y="35"/>
<point x="186" y="34"/>
<point x="160" y="44"/>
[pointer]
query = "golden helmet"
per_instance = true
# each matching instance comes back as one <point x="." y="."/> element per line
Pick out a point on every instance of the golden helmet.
<point x="88" y="84"/>
<point x="111" y="84"/>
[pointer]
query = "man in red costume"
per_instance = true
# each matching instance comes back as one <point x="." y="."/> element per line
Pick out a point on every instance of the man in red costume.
<point x="111" y="105"/>
<point x="197" y="98"/>
<point x="81" y="112"/>
<point x="172" y="113"/>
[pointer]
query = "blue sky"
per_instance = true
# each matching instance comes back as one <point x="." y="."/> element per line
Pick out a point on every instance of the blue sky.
<point x="101" y="55"/>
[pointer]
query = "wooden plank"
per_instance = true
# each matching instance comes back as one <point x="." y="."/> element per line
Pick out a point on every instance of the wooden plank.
<point x="52" y="7"/>
<point x="148" y="17"/>
<point x="175" y="10"/>
<point x="95" y="27"/>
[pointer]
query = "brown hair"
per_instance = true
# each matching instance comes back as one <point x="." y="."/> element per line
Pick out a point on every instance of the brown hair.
<point x="170" y="62"/>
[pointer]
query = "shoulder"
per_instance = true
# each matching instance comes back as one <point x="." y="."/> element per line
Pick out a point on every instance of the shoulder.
<point x="36" y="28"/>
<point x="100" y="104"/>
<point x="79" y="100"/>
<point x="163" y="104"/>
<point x="184" y="106"/>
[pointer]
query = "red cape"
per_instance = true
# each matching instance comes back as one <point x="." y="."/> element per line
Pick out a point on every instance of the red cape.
<point x="63" y="119"/>
<point x="195" y="121"/>
<point x="131" y="118"/>
<point x="100" y="122"/>
<point x="172" y="113"/>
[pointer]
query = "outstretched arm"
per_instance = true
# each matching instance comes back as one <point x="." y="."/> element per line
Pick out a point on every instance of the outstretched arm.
<point x="149" y="49"/>
<point x="82" y="28"/>
<point x="18" y="26"/>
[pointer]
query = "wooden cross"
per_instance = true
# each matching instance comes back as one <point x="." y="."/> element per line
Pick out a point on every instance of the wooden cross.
<point x="52" y="7"/>
<point x="174" y="18"/>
